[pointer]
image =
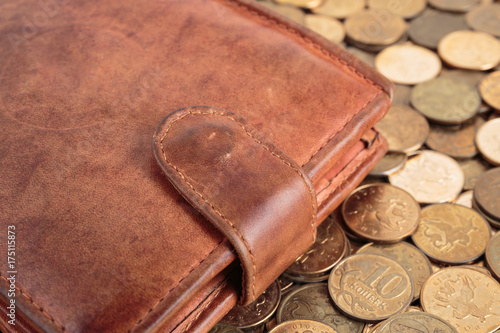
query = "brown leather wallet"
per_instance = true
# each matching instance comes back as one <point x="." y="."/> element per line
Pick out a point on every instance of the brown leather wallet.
<point x="264" y="128"/>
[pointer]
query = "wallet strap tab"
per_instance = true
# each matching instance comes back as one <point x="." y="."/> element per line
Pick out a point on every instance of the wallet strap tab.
<point x="258" y="197"/>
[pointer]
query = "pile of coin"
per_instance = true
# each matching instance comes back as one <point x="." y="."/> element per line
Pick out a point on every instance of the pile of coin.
<point x="415" y="248"/>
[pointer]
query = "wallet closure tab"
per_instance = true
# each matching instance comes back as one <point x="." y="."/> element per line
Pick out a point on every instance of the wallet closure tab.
<point x="258" y="197"/>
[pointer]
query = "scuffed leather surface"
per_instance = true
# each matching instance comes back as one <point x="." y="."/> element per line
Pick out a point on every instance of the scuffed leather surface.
<point x="103" y="238"/>
<point x="255" y="195"/>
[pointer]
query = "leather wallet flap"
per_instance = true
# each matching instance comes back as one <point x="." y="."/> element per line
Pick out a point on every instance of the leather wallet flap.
<point x="258" y="197"/>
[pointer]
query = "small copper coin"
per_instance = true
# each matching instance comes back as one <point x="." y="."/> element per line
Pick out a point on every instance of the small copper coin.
<point x="458" y="142"/>
<point x="490" y="89"/>
<point x="370" y="287"/>
<point x="257" y="312"/>
<point x="381" y="213"/>
<point x="465" y="199"/>
<point x="473" y="169"/>
<point x="327" y="27"/>
<point x="415" y="322"/>
<point x="408" y="63"/>
<point x="468" y="300"/>
<point x="301" y="3"/>
<point x="451" y="234"/>
<point x="375" y="27"/>
<point x="406" y="9"/>
<point x="302" y="326"/>
<point x="488" y="141"/>
<point x="340" y="8"/>
<point x="404" y="129"/>
<point x="430" y="177"/>
<point x="445" y="101"/>
<point x="328" y="249"/>
<point x="454" y="5"/>
<point x="290" y="12"/>
<point x="485" y="18"/>
<point x="470" y="50"/>
<point x="412" y="259"/>
<point x="428" y="29"/>
<point x="487" y="193"/>
<point x="492" y="255"/>
<point x="313" y="302"/>
<point x="390" y="163"/>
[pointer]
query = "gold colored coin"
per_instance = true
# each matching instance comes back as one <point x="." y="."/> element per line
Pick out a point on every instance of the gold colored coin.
<point x="472" y="78"/>
<point x="390" y="163"/>
<point x="415" y="322"/>
<point x="340" y="8"/>
<point x="468" y="300"/>
<point x="473" y="50"/>
<point x="290" y="12"/>
<point x="458" y="142"/>
<point x="327" y="27"/>
<point x="412" y="259"/>
<point x="454" y="5"/>
<point x="301" y="3"/>
<point x="367" y="57"/>
<point x="220" y="328"/>
<point x="472" y="168"/>
<point x="302" y="326"/>
<point x="370" y="287"/>
<point x="406" y="9"/>
<point x="492" y="255"/>
<point x="480" y="269"/>
<point x="445" y="101"/>
<point x="430" y="177"/>
<point x="313" y="302"/>
<point x="487" y="141"/>
<point x="487" y="193"/>
<point x="451" y="234"/>
<point x="428" y="29"/>
<point x="485" y="18"/>
<point x="404" y="129"/>
<point x="381" y="213"/>
<point x="401" y="94"/>
<point x="465" y="199"/>
<point x="375" y="27"/>
<point x="490" y="89"/>
<point x="408" y="64"/>
<point x="257" y="312"/>
<point x="328" y="249"/>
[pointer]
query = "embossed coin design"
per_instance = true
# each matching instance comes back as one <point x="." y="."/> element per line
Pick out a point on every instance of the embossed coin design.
<point x="408" y="63"/>
<point x="492" y="255"/>
<point x="257" y="312"/>
<point x="412" y="259"/>
<point x="487" y="193"/>
<point x="370" y="287"/>
<point x="445" y="101"/>
<point x="470" y="50"/>
<point x="485" y="18"/>
<point x="404" y="129"/>
<point x="340" y="8"/>
<point x="313" y="302"/>
<point x="381" y="213"/>
<point x="415" y="322"/>
<point x="430" y="177"/>
<point x="302" y="326"/>
<point x="490" y="89"/>
<point x="451" y="234"/>
<point x="487" y="139"/>
<point x="327" y="27"/>
<point x="467" y="299"/>
<point x="390" y="163"/>
<point x="221" y="328"/>
<point x="375" y="27"/>
<point x="455" y="142"/>
<point x="328" y="249"/>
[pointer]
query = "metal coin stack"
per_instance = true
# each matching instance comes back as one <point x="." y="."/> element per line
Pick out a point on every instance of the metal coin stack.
<point x="415" y="248"/>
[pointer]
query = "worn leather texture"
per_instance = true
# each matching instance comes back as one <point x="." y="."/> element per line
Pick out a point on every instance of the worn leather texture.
<point x="104" y="241"/>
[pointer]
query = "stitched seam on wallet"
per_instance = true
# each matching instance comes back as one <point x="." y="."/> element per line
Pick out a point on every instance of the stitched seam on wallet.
<point x="345" y="124"/>
<point x="212" y="113"/>
<point x="180" y="280"/>
<point x="205" y="307"/>
<point x="39" y="308"/>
